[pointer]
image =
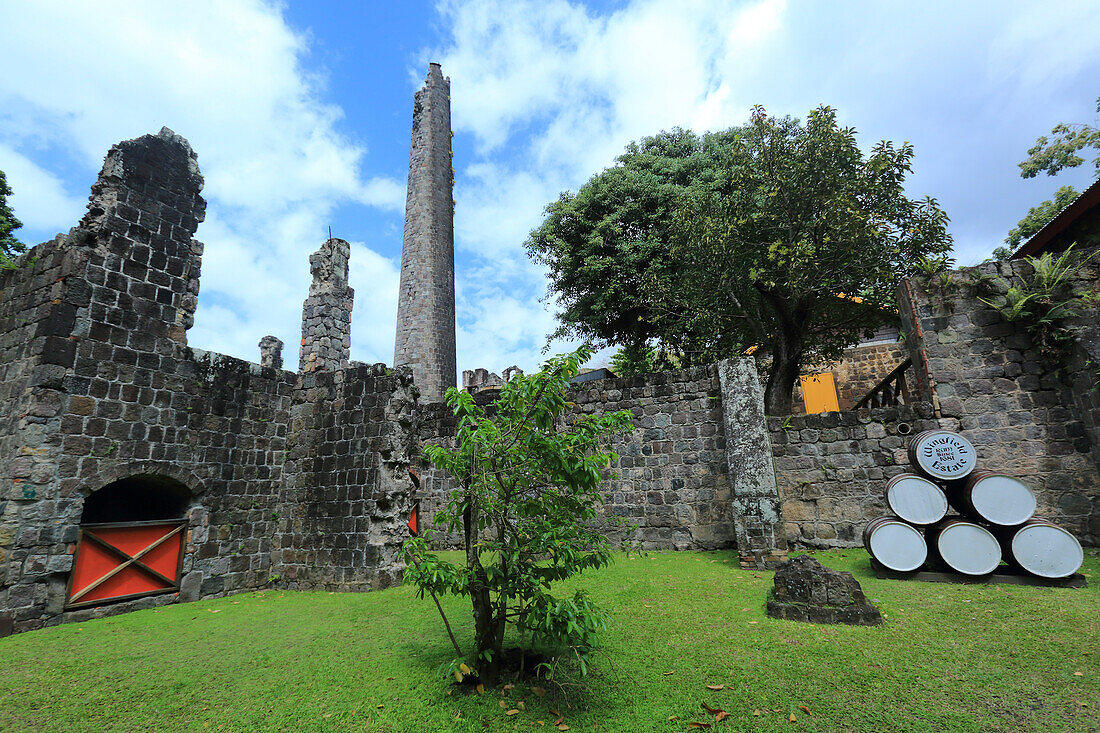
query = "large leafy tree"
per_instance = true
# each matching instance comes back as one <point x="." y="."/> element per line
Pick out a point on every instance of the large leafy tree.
<point x="10" y="247"/>
<point x="1050" y="155"/>
<point x="526" y="500"/>
<point x="777" y="235"/>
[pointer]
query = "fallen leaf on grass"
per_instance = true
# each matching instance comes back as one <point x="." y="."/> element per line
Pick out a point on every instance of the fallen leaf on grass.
<point x="805" y="709"/>
<point x="214" y="610"/>
<point x="503" y="704"/>
<point x="720" y="716"/>
<point x="480" y="688"/>
<point x="754" y="622"/>
<point x="792" y="718"/>
<point x="539" y="691"/>
<point x="673" y="717"/>
<point x="716" y="687"/>
<point x="513" y="711"/>
<point x="379" y="706"/>
<point x="509" y="686"/>
<point x="671" y="671"/>
<point x="756" y="713"/>
<point x="563" y="726"/>
<point x="709" y="709"/>
<point x="560" y="717"/>
<point x="1078" y="674"/>
<point x="696" y="724"/>
<point x="390" y="678"/>
<point x="327" y="715"/>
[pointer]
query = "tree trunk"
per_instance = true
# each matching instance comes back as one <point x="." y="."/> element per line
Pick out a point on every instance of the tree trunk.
<point x="487" y="637"/>
<point x="786" y="357"/>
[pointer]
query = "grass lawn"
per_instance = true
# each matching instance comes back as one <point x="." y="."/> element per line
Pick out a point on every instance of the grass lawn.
<point x="948" y="658"/>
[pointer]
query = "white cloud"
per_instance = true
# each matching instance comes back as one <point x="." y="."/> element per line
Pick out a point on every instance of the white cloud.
<point x="229" y="77"/>
<point x="38" y="197"/>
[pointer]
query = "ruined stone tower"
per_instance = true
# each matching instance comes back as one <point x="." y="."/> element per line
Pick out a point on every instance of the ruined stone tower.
<point x="326" y="314"/>
<point x="426" y="303"/>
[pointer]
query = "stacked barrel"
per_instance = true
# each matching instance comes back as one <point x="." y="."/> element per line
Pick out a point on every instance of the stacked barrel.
<point x="996" y="517"/>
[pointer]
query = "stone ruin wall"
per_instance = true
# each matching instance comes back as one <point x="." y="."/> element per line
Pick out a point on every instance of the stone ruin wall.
<point x="346" y="492"/>
<point x="672" y="482"/>
<point x="672" y="476"/>
<point x="102" y="386"/>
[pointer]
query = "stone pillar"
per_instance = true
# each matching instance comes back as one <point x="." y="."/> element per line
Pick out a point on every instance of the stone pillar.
<point x="757" y="508"/>
<point x="271" y="353"/>
<point x="426" y="300"/>
<point x="326" y="314"/>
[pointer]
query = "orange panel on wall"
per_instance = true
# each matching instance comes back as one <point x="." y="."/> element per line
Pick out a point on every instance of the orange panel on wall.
<point x="819" y="393"/>
<point x="125" y="561"/>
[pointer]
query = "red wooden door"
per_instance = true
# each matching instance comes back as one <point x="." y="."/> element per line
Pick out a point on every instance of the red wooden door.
<point x="117" y="562"/>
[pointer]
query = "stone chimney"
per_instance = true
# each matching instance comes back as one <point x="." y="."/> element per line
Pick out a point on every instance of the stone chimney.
<point x="426" y="300"/>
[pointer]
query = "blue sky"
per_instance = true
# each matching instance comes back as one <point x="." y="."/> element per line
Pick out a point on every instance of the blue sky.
<point x="301" y="112"/>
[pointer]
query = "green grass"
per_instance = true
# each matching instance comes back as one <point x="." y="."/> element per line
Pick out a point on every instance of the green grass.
<point x="949" y="657"/>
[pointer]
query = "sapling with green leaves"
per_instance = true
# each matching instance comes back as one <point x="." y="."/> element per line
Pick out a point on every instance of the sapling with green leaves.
<point x="527" y="475"/>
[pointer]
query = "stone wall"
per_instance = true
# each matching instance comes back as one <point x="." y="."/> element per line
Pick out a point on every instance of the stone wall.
<point x="346" y="493"/>
<point x="1027" y="413"/>
<point x="832" y="468"/>
<point x="672" y="481"/>
<point x="672" y="476"/>
<point x="102" y="388"/>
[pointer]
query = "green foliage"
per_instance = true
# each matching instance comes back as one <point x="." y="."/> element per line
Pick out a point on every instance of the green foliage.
<point x="527" y="475"/>
<point x="10" y="247"/>
<point x="777" y="235"/>
<point x="1052" y="155"/>
<point x="1045" y="300"/>
<point x="632" y="360"/>
<point x="1038" y="217"/>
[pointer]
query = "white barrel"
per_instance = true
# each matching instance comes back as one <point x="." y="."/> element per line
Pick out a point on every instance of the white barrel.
<point x="998" y="498"/>
<point x="1045" y="549"/>
<point x="895" y="544"/>
<point x="915" y="499"/>
<point x="965" y="547"/>
<point x="942" y="455"/>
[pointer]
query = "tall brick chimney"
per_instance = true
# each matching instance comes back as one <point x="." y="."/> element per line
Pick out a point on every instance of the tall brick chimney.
<point x="426" y="301"/>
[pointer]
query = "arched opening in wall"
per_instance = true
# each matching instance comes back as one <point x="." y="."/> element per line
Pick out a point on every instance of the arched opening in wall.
<point x="142" y="498"/>
<point x="131" y="541"/>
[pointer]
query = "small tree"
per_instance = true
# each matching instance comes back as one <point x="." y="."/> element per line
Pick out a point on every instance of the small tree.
<point x="527" y="476"/>
<point x="10" y="247"/>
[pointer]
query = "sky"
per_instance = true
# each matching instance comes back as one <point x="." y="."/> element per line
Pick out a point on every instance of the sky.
<point x="301" y="114"/>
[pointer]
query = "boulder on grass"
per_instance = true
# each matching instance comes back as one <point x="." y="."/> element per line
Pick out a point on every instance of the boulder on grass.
<point x="805" y="590"/>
